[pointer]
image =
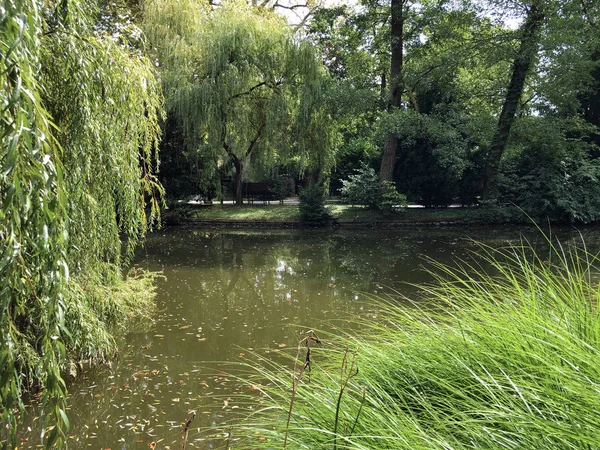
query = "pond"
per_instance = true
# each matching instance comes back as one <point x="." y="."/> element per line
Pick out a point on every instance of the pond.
<point x="225" y="294"/>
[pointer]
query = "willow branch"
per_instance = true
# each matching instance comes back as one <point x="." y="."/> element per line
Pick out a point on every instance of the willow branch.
<point x="291" y="7"/>
<point x="249" y="91"/>
<point x="253" y="141"/>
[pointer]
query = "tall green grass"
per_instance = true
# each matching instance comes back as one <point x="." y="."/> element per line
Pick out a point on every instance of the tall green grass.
<point x="502" y="352"/>
<point x="98" y="307"/>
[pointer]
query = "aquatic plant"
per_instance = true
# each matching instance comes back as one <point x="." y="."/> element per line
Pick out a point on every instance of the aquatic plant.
<point x="500" y="352"/>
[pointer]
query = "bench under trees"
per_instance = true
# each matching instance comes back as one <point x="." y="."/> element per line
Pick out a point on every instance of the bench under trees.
<point x="252" y="191"/>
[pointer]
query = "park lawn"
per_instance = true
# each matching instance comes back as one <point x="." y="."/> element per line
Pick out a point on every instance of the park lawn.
<point x="341" y="213"/>
<point x="347" y="213"/>
<point x="246" y="213"/>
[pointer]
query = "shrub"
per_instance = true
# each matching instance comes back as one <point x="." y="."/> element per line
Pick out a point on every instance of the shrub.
<point x="391" y="198"/>
<point x="312" y="206"/>
<point x="551" y="174"/>
<point x="434" y="154"/>
<point x="362" y="188"/>
<point x="280" y="187"/>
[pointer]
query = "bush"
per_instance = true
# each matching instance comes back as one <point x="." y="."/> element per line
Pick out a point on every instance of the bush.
<point x="312" y="206"/>
<point x="391" y="198"/>
<point x="550" y="174"/>
<point x="362" y="188"/>
<point x="280" y="187"/>
<point x="432" y="155"/>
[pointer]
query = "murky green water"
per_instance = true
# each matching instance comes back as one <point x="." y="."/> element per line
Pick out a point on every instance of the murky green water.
<point x="226" y="294"/>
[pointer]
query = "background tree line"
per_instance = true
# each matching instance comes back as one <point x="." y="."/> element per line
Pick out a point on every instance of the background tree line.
<point x="471" y="102"/>
<point x="469" y="108"/>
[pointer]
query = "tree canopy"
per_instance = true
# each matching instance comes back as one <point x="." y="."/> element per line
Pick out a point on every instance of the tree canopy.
<point x="241" y="87"/>
<point x="483" y="71"/>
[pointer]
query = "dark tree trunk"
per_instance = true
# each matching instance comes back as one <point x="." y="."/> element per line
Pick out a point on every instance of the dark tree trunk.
<point x="388" y="159"/>
<point x="238" y="163"/>
<point x="239" y="195"/>
<point x="522" y="64"/>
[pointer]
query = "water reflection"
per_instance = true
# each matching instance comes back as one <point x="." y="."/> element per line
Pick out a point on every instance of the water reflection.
<point x="225" y="294"/>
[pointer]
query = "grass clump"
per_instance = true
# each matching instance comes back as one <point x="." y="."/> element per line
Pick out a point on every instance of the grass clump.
<point x="99" y="306"/>
<point x="501" y="353"/>
<point x="104" y="305"/>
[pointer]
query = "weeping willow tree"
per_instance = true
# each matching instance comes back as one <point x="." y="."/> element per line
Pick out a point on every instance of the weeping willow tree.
<point x="79" y="134"/>
<point x="242" y="88"/>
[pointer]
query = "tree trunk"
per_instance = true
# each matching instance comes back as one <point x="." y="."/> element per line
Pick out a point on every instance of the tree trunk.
<point x="522" y="64"/>
<point x="239" y="195"/>
<point x="388" y="159"/>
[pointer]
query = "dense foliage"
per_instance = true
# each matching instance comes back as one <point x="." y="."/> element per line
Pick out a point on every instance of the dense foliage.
<point x="472" y="78"/>
<point x="362" y="188"/>
<point x="79" y="136"/>
<point x="433" y="96"/>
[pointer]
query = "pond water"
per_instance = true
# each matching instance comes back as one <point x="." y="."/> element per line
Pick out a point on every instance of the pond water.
<point x="225" y="294"/>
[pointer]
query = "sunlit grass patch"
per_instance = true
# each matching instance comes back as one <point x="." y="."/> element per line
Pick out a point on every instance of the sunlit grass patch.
<point x="355" y="214"/>
<point x="505" y="357"/>
<point x="247" y="213"/>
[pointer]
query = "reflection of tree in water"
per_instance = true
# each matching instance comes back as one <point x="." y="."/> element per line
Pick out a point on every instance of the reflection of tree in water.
<point x="245" y="287"/>
<point x="226" y="292"/>
<point x="269" y="270"/>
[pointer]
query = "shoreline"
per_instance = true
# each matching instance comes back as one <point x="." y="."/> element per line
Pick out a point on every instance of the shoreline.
<point x="365" y="225"/>
<point x="349" y="217"/>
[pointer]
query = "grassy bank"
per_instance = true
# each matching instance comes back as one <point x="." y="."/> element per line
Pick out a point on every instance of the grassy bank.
<point x="506" y="358"/>
<point x="346" y="215"/>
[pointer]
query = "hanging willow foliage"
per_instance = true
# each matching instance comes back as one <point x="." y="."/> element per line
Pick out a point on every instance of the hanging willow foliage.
<point x="79" y="134"/>
<point x="234" y="78"/>
<point x="32" y="219"/>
